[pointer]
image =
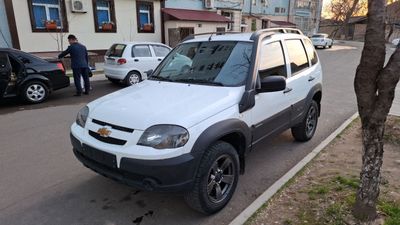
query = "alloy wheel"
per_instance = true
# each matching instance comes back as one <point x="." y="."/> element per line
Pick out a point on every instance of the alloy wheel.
<point x="221" y="177"/>
<point x="36" y="92"/>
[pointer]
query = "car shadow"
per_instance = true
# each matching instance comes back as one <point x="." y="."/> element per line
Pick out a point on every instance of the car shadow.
<point x="60" y="97"/>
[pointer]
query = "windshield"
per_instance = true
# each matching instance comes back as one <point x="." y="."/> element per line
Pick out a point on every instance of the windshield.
<point x="318" y="36"/>
<point x="222" y="63"/>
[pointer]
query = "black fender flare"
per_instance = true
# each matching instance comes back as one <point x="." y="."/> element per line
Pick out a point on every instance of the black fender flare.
<point x="314" y="90"/>
<point x="219" y="130"/>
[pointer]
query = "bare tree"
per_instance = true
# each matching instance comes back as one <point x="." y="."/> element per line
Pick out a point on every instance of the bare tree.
<point x="375" y="86"/>
<point x="343" y="10"/>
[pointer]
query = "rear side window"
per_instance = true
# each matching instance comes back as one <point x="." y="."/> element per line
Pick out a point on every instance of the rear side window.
<point x="297" y="55"/>
<point x="312" y="54"/>
<point x="141" y="51"/>
<point x="318" y="36"/>
<point x="116" y="50"/>
<point x="160" y="51"/>
<point x="272" y="60"/>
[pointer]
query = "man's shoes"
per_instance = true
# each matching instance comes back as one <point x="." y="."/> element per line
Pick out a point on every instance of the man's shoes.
<point x="86" y="93"/>
<point x="77" y="94"/>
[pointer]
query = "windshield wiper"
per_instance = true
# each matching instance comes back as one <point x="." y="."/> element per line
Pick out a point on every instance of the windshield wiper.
<point x="160" y="78"/>
<point x="197" y="81"/>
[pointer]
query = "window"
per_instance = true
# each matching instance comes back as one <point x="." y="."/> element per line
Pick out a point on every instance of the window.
<point x="253" y="25"/>
<point x="160" y="51"/>
<point x="297" y="55"/>
<point x="104" y="16"/>
<point x="312" y="54"/>
<point x="272" y="61"/>
<point x="229" y="16"/>
<point x="145" y="17"/>
<point x="283" y="10"/>
<point x="141" y="51"/>
<point x="277" y="9"/>
<point x="48" y="15"/>
<point x="220" y="29"/>
<point x="116" y="50"/>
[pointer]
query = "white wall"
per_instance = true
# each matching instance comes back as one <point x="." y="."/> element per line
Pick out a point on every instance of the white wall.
<point x="205" y="26"/>
<point x="82" y="25"/>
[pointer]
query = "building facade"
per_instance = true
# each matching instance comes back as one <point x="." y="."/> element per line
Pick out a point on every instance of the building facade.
<point x="42" y="25"/>
<point x="306" y="14"/>
<point x="261" y="14"/>
<point x="182" y="18"/>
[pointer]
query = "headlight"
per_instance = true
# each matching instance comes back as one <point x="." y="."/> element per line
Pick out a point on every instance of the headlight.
<point x="164" y="136"/>
<point x="82" y="116"/>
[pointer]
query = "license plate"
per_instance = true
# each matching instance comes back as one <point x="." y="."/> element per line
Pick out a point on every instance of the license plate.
<point x="101" y="157"/>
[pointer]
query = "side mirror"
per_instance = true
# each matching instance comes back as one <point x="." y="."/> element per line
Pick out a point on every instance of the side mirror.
<point x="273" y="84"/>
<point x="149" y="72"/>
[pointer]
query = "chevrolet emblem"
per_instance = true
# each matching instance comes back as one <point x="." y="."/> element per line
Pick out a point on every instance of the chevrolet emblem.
<point x="104" y="131"/>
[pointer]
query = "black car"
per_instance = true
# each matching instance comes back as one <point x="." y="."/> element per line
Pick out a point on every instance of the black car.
<point x="30" y="77"/>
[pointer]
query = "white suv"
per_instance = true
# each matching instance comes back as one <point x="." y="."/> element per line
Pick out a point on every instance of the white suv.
<point x="128" y="62"/>
<point x="189" y="126"/>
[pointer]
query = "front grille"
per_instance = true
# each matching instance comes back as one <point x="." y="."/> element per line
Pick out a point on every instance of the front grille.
<point x="109" y="140"/>
<point x="116" y="127"/>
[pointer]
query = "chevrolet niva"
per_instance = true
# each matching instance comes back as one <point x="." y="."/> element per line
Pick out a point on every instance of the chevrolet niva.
<point x="189" y="126"/>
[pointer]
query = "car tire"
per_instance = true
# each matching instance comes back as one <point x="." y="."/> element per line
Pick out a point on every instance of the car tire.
<point x="114" y="81"/>
<point x="326" y="45"/>
<point x="132" y="78"/>
<point x="216" y="179"/>
<point x="330" y="46"/>
<point x="35" y="92"/>
<point x="306" y="129"/>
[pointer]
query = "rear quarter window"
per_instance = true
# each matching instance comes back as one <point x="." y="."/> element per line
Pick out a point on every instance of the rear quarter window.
<point x="116" y="50"/>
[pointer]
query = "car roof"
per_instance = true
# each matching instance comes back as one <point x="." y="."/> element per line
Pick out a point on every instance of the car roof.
<point x="139" y="43"/>
<point x="246" y="37"/>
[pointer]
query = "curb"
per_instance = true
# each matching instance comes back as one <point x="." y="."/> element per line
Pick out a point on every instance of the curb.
<point x="274" y="188"/>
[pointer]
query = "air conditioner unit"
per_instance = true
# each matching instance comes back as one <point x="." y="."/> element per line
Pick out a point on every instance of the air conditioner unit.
<point x="78" y="6"/>
<point x="209" y="4"/>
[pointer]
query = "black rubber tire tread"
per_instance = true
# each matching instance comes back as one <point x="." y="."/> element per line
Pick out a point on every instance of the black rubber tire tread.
<point x="299" y="132"/>
<point x="23" y="92"/>
<point x="126" y="80"/>
<point x="196" y="198"/>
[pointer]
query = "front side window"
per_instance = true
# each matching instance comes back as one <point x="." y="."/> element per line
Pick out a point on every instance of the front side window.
<point x="47" y="15"/>
<point x="141" y="51"/>
<point x="272" y="61"/>
<point x="104" y="16"/>
<point x="297" y="55"/>
<point x="222" y="63"/>
<point x="145" y="17"/>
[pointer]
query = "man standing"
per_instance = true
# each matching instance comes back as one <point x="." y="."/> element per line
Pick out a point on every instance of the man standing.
<point x="79" y="64"/>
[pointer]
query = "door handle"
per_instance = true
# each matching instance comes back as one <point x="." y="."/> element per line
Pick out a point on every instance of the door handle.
<point x="159" y="59"/>
<point x="136" y="60"/>
<point x="311" y="78"/>
<point x="287" y="90"/>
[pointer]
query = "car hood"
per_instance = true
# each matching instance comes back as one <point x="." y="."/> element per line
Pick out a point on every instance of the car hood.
<point x="153" y="102"/>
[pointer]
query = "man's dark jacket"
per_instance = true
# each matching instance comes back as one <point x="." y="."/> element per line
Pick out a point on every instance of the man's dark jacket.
<point x="79" y="55"/>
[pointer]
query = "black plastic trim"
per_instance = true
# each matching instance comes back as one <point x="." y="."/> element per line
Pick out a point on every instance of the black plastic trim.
<point x="116" y="127"/>
<point x="109" y="140"/>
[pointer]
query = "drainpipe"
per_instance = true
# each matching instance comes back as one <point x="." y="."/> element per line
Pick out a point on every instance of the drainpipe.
<point x="288" y="15"/>
<point x="162" y="22"/>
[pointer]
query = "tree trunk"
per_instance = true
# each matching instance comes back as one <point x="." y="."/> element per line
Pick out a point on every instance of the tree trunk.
<point x="375" y="87"/>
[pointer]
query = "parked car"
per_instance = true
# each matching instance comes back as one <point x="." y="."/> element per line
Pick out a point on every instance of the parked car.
<point x="32" y="78"/>
<point x="322" y="40"/>
<point x="127" y="63"/>
<point x="189" y="127"/>
<point x="396" y="41"/>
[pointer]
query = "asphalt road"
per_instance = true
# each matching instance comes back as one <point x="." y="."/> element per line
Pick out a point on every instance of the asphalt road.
<point x="42" y="183"/>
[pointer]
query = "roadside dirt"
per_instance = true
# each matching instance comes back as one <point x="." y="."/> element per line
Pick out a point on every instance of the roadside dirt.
<point x="324" y="192"/>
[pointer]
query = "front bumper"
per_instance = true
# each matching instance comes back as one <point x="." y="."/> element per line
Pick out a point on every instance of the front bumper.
<point x="166" y="175"/>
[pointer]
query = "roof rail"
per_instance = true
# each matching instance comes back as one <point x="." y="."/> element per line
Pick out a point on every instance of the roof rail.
<point x="283" y="30"/>
<point x="192" y="36"/>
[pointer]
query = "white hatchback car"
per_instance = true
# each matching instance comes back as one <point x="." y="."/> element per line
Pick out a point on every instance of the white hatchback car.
<point x="322" y="40"/>
<point x="189" y="127"/>
<point x="396" y="41"/>
<point x="128" y="62"/>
